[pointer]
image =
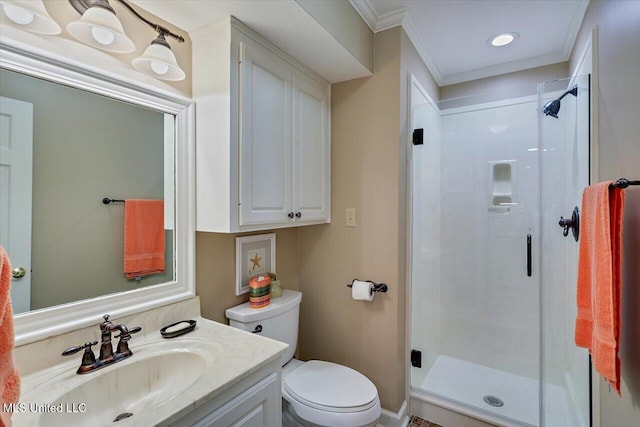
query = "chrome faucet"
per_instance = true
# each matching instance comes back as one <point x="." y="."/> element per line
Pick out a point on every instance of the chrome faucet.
<point x="107" y="357"/>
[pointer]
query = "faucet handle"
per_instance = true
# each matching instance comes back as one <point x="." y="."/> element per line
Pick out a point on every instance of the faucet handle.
<point x="88" y="358"/>
<point x="134" y="330"/>
<point x="77" y="348"/>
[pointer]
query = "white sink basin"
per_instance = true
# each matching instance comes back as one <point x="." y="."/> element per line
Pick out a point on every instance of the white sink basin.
<point x="157" y="372"/>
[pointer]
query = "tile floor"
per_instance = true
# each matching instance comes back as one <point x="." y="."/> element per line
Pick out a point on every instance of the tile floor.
<point x="419" y="422"/>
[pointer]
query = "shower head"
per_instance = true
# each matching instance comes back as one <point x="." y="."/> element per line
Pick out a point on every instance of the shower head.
<point x="551" y="108"/>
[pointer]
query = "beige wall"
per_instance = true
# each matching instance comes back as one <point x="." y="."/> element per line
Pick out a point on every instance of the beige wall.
<point x="518" y="83"/>
<point x="618" y="24"/>
<point x="216" y="273"/>
<point x="365" y="175"/>
<point x="140" y="33"/>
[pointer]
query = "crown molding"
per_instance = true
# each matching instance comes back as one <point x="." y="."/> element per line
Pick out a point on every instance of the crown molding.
<point x="392" y="19"/>
<point x="366" y="12"/>
<point x="377" y="22"/>
<point x="508" y="67"/>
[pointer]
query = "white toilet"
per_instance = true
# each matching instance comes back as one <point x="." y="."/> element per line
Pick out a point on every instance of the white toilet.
<point x="315" y="393"/>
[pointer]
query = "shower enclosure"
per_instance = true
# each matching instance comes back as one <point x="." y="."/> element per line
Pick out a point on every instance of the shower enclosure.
<point x="492" y="275"/>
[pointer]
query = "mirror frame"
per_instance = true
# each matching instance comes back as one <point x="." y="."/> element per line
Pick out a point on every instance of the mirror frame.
<point x="40" y="324"/>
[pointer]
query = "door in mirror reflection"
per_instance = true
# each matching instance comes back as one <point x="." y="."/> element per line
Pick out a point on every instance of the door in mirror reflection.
<point x="16" y="144"/>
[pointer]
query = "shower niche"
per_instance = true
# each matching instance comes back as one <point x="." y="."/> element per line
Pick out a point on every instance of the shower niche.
<point x="502" y="185"/>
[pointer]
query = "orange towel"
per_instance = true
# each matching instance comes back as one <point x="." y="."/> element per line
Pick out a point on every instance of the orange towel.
<point x="9" y="376"/>
<point x="599" y="273"/>
<point x="143" y="237"/>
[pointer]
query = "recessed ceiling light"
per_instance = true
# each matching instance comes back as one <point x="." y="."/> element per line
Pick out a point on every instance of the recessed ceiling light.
<point x="503" y="39"/>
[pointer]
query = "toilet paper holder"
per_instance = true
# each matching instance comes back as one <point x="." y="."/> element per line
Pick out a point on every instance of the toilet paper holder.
<point x="377" y="287"/>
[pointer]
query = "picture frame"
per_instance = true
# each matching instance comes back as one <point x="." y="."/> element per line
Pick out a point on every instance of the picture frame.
<point x="254" y="255"/>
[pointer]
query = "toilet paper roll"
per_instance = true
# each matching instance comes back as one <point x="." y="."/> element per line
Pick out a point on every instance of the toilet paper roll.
<point x="362" y="291"/>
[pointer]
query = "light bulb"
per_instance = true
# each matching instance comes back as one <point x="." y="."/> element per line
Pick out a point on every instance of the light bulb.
<point x="159" y="67"/>
<point x="102" y="36"/>
<point x="503" y="39"/>
<point x="18" y="15"/>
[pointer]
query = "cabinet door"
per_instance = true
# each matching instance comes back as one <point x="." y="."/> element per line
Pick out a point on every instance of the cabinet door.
<point x="259" y="406"/>
<point x="265" y="136"/>
<point x="311" y="150"/>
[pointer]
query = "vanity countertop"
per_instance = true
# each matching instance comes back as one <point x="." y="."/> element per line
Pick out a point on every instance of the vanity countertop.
<point x="232" y="355"/>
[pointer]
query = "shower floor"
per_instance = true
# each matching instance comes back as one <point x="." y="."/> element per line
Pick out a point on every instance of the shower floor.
<point x="468" y="383"/>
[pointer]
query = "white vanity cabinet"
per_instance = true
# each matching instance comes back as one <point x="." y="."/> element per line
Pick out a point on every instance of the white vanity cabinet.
<point x="262" y="134"/>
<point x="253" y="405"/>
<point x="258" y="406"/>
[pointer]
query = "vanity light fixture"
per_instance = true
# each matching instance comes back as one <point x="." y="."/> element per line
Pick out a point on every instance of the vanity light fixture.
<point x="159" y="61"/>
<point x="503" y="39"/>
<point x="30" y="15"/>
<point x="99" y="27"/>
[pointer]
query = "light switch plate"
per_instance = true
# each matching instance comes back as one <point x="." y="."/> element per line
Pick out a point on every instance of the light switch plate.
<point x="351" y="217"/>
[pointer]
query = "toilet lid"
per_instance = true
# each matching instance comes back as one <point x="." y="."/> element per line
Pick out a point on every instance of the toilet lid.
<point x="328" y="386"/>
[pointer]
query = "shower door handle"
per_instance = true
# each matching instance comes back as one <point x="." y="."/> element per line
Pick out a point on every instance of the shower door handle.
<point x="529" y="255"/>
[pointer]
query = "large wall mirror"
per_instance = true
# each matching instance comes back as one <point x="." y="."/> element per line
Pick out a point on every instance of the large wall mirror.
<point x="68" y="140"/>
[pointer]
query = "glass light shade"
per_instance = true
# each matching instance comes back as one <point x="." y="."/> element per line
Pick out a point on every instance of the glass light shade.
<point x="159" y="61"/>
<point x="101" y="29"/>
<point x="30" y="15"/>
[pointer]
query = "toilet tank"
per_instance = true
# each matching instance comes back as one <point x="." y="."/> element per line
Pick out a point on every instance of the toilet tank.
<point x="278" y="320"/>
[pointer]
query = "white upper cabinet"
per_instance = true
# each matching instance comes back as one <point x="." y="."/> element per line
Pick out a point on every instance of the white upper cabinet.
<point x="262" y="134"/>
<point x="311" y="154"/>
<point x="265" y="137"/>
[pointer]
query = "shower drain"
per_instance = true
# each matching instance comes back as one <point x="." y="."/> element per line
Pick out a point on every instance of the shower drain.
<point x="493" y="401"/>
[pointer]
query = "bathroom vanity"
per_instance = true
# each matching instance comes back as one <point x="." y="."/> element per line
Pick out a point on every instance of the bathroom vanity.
<point x="213" y="376"/>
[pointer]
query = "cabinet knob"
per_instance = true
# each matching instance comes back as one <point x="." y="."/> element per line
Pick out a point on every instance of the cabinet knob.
<point x="290" y="215"/>
<point x="298" y="215"/>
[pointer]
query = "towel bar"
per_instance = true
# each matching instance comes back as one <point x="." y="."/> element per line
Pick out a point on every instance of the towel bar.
<point x="107" y="200"/>
<point x="623" y="183"/>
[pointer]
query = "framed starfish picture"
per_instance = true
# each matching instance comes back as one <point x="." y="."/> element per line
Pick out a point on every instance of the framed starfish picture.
<point x="254" y="255"/>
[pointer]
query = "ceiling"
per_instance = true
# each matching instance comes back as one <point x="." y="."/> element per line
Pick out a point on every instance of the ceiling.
<point x="451" y="35"/>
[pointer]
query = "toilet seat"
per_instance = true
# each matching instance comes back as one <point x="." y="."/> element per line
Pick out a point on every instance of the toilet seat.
<point x="326" y="393"/>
